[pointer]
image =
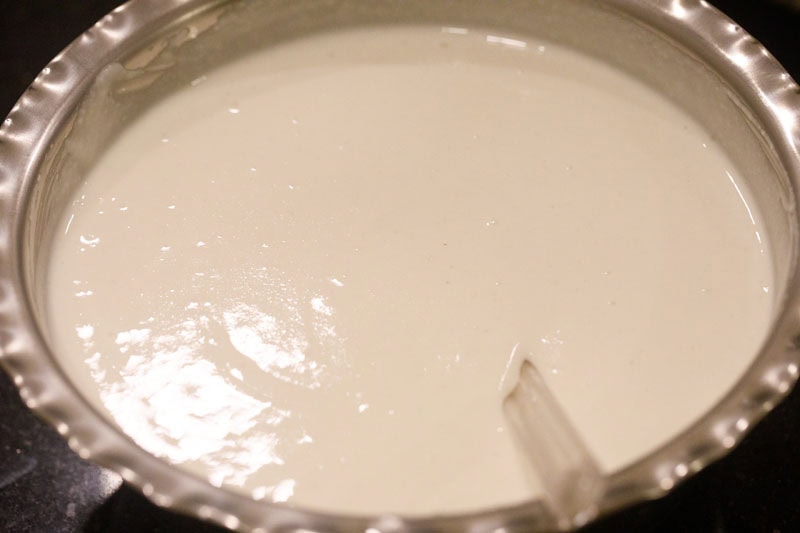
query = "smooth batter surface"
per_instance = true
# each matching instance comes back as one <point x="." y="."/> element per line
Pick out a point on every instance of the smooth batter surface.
<point x="303" y="275"/>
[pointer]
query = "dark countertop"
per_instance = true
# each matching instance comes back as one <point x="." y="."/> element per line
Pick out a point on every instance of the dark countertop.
<point x="45" y="487"/>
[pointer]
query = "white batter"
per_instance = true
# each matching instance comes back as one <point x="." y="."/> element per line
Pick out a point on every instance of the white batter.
<point x="303" y="276"/>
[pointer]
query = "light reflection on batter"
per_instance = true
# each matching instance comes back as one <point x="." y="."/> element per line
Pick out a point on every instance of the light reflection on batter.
<point x="175" y="385"/>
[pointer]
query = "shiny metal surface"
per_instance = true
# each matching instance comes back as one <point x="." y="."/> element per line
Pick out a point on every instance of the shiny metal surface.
<point x="31" y="154"/>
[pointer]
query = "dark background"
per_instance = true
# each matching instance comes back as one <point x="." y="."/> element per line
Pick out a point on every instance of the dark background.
<point x="44" y="487"/>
